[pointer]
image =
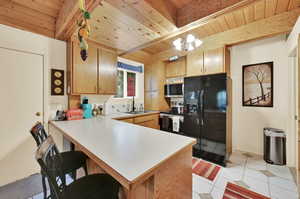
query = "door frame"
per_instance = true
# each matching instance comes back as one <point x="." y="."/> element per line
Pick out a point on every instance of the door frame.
<point x="44" y="82"/>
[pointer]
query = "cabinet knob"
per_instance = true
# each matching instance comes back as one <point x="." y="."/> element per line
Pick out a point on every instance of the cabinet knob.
<point x="38" y="114"/>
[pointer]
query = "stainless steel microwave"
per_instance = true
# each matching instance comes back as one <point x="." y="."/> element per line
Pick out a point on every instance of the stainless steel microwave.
<point x="174" y="90"/>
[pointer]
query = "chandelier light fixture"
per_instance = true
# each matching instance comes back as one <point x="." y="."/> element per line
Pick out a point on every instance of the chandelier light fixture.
<point x="188" y="44"/>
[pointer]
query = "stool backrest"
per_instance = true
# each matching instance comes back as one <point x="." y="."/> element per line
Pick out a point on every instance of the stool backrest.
<point x="52" y="169"/>
<point x="38" y="133"/>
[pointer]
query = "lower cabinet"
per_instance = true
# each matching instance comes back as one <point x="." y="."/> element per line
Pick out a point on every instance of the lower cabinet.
<point x="150" y="124"/>
<point x="150" y="121"/>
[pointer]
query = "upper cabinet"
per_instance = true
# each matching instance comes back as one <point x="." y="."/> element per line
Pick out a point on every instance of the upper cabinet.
<point x="154" y="77"/>
<point x="176" y="68"/>
<point x="96" y="75"/>
<point x="84" y="73"/>
<point x="195" y="65"/>
<point x="214" y="61"/>
<point x="107" y="72"/>
<point x="208" y="62"/>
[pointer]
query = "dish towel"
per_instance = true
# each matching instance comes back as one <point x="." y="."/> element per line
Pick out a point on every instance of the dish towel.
<point x="176" y="124"/>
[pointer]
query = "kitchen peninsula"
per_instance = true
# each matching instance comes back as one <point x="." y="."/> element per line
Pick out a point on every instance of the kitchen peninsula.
<point x="148" y="163"/>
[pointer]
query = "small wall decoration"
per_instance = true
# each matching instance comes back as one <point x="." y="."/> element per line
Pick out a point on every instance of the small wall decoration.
<point x="57" y="82"/>
<point x="258" y="85"/>
<point x="84" y="30"/>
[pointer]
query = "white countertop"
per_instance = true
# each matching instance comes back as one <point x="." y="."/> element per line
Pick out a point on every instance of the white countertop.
<point x="129" y="149"/>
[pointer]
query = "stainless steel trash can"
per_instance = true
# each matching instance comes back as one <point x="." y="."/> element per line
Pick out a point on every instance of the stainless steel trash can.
<point x="274" y="146"/>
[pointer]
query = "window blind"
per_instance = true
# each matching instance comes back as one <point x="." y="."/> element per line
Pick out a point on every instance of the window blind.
<point x="130" y="67"/>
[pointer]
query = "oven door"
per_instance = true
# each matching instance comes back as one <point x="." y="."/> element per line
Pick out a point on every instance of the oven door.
<point x="174" y="90"/>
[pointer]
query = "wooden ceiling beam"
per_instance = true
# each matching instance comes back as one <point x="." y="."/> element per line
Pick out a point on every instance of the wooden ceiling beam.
<point x="165" y="8"/>
<point x="192" y="26"/>
<point x="198" y="9"/>
<point x="268" y="27"/>
<point x="69" y="14"/>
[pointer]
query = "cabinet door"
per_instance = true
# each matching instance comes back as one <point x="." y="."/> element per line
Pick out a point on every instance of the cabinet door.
<point x="148" y="77"/>
<point x="214" y="61"/>
<point x="176" y="68"/>
<point x="148" y="100"/>
<point x="194" y="64"/>
<point x="107" y="72"/>
<point x="84" y="73"/>
<point x="158" y="76"/>
<point x="150" y="124"/>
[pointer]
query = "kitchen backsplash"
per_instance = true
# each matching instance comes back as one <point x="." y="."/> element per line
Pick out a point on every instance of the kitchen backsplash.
<point x="113" y="105"/>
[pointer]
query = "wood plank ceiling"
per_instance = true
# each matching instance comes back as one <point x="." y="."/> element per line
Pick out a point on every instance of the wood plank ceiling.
<point x="256" y="11"/>
<point x="128" y="25"/>
<point x="37" y="16"/>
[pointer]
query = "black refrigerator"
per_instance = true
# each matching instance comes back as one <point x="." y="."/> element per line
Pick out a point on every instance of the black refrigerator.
<point x="205" y="107"/>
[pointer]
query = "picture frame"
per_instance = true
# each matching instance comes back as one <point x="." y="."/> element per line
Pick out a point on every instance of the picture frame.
<point x="57" y="82"/>
<point x="258" y="85"/>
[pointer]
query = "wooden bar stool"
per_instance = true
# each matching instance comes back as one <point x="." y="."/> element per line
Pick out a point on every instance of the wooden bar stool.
<point x="70" y="161"/>
<point x="97" y="186"/>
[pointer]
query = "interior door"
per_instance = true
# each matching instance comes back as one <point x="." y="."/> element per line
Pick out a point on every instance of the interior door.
<point x="21" y="105"/>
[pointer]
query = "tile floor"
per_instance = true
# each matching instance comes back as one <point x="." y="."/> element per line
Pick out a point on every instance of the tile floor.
<point x="244" y="169"/>
<point x="251" y="172"/>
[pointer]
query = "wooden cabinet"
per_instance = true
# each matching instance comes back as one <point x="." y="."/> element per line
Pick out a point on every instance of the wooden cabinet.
<point x="214" y="61"/>
<point x="176" y="68"/>
<point x="150" y="124"/>
<point x="195" y="64"/>
<point x="208" y="62"/>
<point x="129" y="120"/>
<point x="149" y="120"/>
<point x="107" y="72"/>
<point x="96" y="75"/>
<point x="148" y="77"/>
<point x="85" y="73"/>
<point x="154" y="86"/>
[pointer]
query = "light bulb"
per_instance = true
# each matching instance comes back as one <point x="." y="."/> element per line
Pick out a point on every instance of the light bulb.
<point x="177" y="42"/>
<point x="178" y="47"/>
<point x="191" y="47"/>
<point x="198" y="43"/>
<point x="190" y="38"/>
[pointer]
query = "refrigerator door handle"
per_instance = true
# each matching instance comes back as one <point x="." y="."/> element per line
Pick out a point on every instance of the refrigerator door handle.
<point x="202" y="106"/>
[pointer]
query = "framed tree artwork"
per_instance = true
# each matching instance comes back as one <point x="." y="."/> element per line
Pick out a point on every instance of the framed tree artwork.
<point x="258" y="85"/>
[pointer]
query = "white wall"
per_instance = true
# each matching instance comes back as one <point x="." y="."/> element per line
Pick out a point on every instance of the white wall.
<point x="54" y="53"/>
<point x="248" y="122"/>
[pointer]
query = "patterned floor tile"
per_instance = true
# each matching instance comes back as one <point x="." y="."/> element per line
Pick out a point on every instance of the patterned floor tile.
<point x="248" y="155"/>
<point x="257" y="185"/>
<point x="256" y="174"/>
<point x="267" y="173"/>
<point x="205" y="196"/>
<point x="217" y="193"/>
<point x="242" y="184"/>
<point x="201" y="185"/>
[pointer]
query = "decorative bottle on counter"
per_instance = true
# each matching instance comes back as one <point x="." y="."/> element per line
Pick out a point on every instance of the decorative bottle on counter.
<point x="95" y="111"/>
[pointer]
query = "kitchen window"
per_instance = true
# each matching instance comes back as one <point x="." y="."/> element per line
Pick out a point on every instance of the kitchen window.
<point x="126" y="84"/>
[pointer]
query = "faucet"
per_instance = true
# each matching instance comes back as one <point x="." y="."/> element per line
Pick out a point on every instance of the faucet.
<point x="133" y="106"/>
